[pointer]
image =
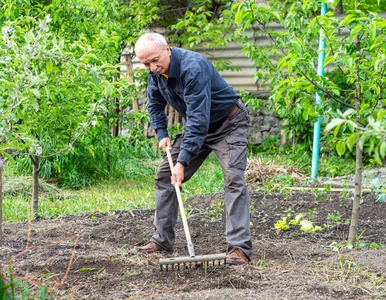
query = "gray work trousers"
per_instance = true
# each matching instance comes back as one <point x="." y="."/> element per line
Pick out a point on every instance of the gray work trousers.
<point x="229" y="144"/>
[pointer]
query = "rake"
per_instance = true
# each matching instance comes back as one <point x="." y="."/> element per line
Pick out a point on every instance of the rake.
<point x="191" y="260"/>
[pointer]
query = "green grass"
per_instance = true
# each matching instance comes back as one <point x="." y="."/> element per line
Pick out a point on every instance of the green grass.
<point x="208" y="179"/>
<point x="104" y="196"/>
<point x="134" y="192"/>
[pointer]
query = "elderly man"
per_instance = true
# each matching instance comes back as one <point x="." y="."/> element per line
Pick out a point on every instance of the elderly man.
<point x="216" y="120"/>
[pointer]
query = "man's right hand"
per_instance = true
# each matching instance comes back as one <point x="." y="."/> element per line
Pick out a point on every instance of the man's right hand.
<point x="165" y="143"/>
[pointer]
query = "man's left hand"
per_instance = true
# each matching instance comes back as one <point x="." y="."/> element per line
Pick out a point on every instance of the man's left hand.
<point x="178" y="174"/>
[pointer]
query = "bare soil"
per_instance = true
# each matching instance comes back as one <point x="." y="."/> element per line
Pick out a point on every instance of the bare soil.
<point x="88" y="256"/>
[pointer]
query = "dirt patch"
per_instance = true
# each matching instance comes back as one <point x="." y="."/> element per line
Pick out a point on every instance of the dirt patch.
<point x="92" y="252"/>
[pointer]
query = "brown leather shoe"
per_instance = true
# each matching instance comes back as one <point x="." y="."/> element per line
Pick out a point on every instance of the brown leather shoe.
<point x="149" y="248"/>
<point x="236" y="257"/>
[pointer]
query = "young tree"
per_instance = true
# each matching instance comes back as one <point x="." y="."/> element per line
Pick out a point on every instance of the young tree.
<point x="60" y="76"/>
<point x="50" y="92"/>
<point x="359" y="59"/>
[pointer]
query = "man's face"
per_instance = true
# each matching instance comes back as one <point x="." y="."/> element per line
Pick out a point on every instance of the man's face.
<point x="155" y="59"/>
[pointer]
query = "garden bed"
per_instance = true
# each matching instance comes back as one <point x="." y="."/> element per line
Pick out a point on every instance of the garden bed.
<point x="288" y="264"/>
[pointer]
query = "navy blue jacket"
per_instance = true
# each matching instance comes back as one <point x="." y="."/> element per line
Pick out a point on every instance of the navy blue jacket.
<point x="197" y="92"/>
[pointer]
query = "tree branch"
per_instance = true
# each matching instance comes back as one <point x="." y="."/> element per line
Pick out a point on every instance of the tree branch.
<point x="324" y="91"/>
<point x="264" y="29"/>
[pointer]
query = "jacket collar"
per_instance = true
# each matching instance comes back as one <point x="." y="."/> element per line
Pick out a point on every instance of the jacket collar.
<point x="174" y="68"/>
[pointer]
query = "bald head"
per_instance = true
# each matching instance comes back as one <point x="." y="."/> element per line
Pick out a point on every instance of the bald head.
<point x="153" y="51"/>
<point x="156" y="39"/>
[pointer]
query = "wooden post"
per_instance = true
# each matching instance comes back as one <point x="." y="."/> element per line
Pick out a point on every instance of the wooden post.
<point x="170" y="115"/>
<point x="176" y="118"/>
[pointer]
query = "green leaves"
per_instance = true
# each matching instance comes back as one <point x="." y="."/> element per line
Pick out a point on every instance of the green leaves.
<point x="334" y="123"/>
<point x="341" y="148"/>
<point x="354" y="33"/>
<point x="297" y="44"/>
<point x="56" y="70"/>
<point x="49" y="66"/>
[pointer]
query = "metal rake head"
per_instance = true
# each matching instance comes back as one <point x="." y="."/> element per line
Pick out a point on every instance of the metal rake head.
<point x="177" y="263"/>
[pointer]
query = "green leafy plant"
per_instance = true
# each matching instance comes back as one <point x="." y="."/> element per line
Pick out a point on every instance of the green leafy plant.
<point x="336" y="246"/>
<point x="307" y="226"/>
<point x="281" y="225"/>
<point x="297" y="219"/>
<point x="189" y="211"/>
<point x="372" y="245"/>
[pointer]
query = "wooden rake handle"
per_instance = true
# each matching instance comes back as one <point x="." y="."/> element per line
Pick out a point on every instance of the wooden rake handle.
<point x="182" y="210"/>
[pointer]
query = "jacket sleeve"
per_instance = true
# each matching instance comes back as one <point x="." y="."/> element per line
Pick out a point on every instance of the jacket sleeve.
<point x="197" y="96"/>
<point x="156" y="109"/>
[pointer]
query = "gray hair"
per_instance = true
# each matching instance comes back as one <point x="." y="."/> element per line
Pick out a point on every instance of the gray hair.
<point x="158" y="39"/>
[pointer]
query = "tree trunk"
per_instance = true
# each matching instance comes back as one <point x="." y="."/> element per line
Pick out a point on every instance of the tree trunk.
<point x="1" y="198"/>
<point x="339" y="8"/>
<point x="108" y="159"/>
<point x="352" y="235"/>
<point x="116" y="111"/>
<point x="353" y="232"/>
<point x="107" y="115"/>
<point x="35" y="185"/>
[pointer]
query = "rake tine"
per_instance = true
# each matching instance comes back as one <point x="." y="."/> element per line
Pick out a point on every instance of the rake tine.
<point x="193" y="262"/>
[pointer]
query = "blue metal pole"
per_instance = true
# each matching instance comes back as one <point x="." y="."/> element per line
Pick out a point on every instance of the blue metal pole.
<point x="316" y="140"/>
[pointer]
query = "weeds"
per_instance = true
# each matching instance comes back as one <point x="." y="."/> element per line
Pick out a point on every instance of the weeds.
<point x="312" y="213"/>
<point x="11" y="289"/>
<point x="215" y="212"/>
<point x="334" y="219"/>
<point x="347" y="193"/>
<point x="345" y="270"/>
<point x="262" y="261"/>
